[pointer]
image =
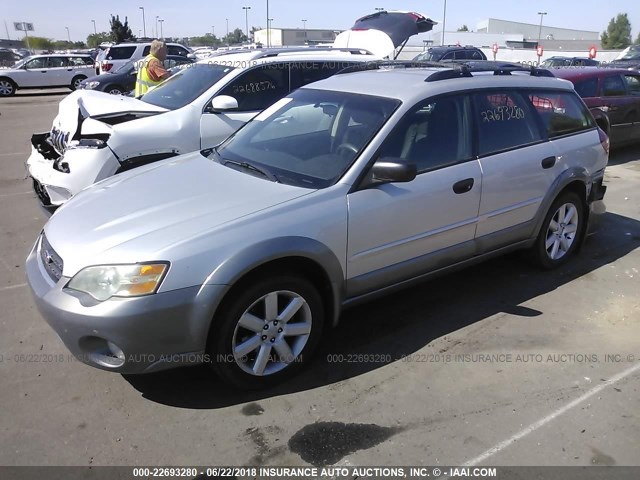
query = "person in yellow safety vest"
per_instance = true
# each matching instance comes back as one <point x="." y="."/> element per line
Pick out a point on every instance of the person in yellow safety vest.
<point x="151" y="72"/>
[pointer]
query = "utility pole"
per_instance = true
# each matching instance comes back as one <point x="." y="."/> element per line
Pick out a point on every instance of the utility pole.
<point x="95" y="32"/>
<point x="542" y="14"/>
<point x="144" y="26"/>
<point x="246" y="19"/>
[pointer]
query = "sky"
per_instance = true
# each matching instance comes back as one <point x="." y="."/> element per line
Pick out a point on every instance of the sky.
<point x="184" y="18"/>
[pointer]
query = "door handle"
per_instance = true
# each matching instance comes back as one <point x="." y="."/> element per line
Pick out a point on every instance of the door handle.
<point x="463" y="186"/>
<point x="548" y="162"/>
<point x="43" y="71"/>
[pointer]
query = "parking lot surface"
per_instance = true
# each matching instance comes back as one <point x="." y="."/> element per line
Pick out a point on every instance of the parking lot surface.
<point x="500" y="364"/>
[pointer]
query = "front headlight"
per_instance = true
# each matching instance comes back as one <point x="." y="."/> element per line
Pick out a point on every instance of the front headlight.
<point x="91" y="85"/>
<point x="105" y="281"/>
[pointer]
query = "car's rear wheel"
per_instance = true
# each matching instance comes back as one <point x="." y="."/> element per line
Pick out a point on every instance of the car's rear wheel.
<point x="561" y="231"/>
<point x="114" y="90"/>
<point x="266" y="331"/>
<point x="75" y="83"/>
<point x="7" y="87"/>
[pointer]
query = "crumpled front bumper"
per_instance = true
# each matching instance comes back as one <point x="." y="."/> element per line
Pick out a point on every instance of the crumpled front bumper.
<point x="85" y="166"/>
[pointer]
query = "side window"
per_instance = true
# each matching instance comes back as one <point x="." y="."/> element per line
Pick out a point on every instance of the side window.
<point x="57" y="62"/>
<point x="448" y="56"/>
<point x="561" y="113"/>
<point x="303" y="73"/>
<point x="79" y="61"/>
<point x="504" y="121"/>
<point x="475" y="55"/>
<point x="435" y="134"/>
<point x="176" y="50"/>
<point x="613" y="86"/>
<point x="37" y="63"/>
<point x="633" y="84"/>
<point x="120" y="53"/>
<point x="587" y="88"/>
<point x="259" y="87"/>
<point x="146" y="50"/>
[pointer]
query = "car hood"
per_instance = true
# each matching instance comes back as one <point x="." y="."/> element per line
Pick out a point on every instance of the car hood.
<point x="139" y="215"/>
<point x="83" y="104"/>
<point x="382" y="32"/>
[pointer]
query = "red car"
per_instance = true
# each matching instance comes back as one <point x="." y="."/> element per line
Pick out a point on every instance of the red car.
<point x="613" y="96"/>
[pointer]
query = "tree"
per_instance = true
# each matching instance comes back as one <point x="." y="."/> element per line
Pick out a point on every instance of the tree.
<point x="637" y="42"/>
<point x="120" y="32"/>
<point x="463" y="28"/>
<point x="236" y="37"/>
<point x="618" y="33"/>
<point x="96" y="39"/>
<point x="39" y="43"/>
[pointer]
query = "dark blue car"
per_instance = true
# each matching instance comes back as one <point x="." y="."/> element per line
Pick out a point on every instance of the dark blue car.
<point x="123" y="80"/>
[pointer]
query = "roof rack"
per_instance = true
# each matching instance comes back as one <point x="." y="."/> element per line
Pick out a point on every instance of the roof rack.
<point x="465" y="70"/>
<point x="274" y="52"/>
<point x="378" y="64"/>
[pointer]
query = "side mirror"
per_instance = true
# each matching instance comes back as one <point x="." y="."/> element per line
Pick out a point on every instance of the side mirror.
<point x="222" y="103"/>
<point x="392" y="170"/>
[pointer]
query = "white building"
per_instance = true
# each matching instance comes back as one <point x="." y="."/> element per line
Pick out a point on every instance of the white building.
<point x="284" y="37"/>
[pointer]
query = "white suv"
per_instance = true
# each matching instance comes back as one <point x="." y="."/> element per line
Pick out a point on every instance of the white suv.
<point x="95" y="136"/>
<point x="46" y="71"/>
<point x="118" y="55"/>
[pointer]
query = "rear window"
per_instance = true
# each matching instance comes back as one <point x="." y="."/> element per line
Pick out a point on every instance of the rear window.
<point x="80" y="61"/>
<point x="120" y="53"/>
<point x="587" y="88"/>
<point x="613" y="87"/>
<point x="561" y="113"/>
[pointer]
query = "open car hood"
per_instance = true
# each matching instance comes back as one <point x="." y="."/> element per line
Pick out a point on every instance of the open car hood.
<point x="382" y="32"/>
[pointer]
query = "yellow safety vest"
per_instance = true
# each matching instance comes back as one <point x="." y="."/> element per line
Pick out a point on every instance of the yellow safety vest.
<point x="143" y="80"/>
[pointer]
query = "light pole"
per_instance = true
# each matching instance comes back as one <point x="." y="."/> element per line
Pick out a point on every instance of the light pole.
<point x="246" y="19"/>
<point x="144" y="26"/>
<point x="304" y="27"/>
<point x="161" y="30"/>
<point x="157" y="17"/>
<point x="269" y="21"/>
<point x="542" y="14"/>
<point x="213" y="35"/>
<point x="68" y="34"/>
<point x="268" y="39"/>
<point x="444" y="20"/>
<point x="94" y="27"/>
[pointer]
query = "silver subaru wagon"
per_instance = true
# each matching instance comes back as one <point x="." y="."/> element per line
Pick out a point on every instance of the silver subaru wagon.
<point x="239" y="256"/>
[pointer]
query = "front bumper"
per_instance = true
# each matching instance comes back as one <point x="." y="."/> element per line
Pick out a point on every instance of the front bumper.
<point x="127" y="335"/>
<point x="86" y="167"/>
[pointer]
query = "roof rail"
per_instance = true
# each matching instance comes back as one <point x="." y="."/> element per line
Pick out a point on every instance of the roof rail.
<point x="465" y="70"/>
<point x="378" y="64"/>
<point x="274" y="52"/>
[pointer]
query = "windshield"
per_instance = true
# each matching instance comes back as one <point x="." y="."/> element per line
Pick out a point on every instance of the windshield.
<point x="631" y="55"/>
<point x="185" y="86"/>
<point x="308" y="139"/>
<point x="20" y="63"/>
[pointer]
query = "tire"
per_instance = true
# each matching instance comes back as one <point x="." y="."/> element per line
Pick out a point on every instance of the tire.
<point x="262" y="335"/>
<point x="114" y="90"/>
<point x="7" y="87"/>
<point x="75" y="83"/>
<point x="558" y="240"/>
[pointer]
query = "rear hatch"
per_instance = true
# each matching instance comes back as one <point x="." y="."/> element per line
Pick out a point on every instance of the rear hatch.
<point x="383" y="33"/>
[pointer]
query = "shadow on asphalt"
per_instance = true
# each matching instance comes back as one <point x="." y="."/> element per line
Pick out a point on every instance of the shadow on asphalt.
<point x="621" y="155"/>
<point x="403" y="323"/>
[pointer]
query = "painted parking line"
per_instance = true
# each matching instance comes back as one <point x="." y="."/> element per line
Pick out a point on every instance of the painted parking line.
<point x="552" y="416"/>
<point x="14" y="194"/>
<point x="13" y="153"/>
<point x="12" y="287"/>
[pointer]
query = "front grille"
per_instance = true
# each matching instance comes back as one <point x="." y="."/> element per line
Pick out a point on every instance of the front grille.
<point x="58" y="140"/>
<point x="50" y="259"/>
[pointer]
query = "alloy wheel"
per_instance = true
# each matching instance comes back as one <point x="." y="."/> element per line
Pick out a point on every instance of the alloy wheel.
<point x="562" y="231"/>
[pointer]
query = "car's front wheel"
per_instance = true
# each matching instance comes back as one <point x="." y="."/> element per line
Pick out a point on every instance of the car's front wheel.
<point x="561" y="231"/>
<point x="7" y="87"/>
<point x="75" y="83"/>
<point x="266" y="331"/>
<point x="114" y="90"/>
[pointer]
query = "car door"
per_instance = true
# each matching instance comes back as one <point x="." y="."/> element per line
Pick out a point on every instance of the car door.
<point x="613" y="91"/>
<point x="397" y="231"/>
<point x="255" y="89"/>
<point x="35" y="73"/>
<point x="633" y="98"/>
<point x="60" y="73"/>
<point x="518" y="166"/>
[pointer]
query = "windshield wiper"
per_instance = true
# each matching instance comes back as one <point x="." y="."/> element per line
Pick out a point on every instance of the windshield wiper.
<point x="250" y="167"/>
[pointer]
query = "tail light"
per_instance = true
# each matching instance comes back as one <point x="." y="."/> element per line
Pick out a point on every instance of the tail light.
<point x="106" y="66"/>
<point x="604" y="140"/>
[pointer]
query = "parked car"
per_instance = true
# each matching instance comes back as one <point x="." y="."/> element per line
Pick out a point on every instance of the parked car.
<point x="559" y="62"/>
<point x="241" y="255"/>
<point x="123" y="80"/>
<point x="117" y="55"/>
<point x="450" y="52"/>
<point x="8" y="58"/>
<point x="45" y="71"/>
<point x="629" y="59"/>
<point x="613" y="96"/>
